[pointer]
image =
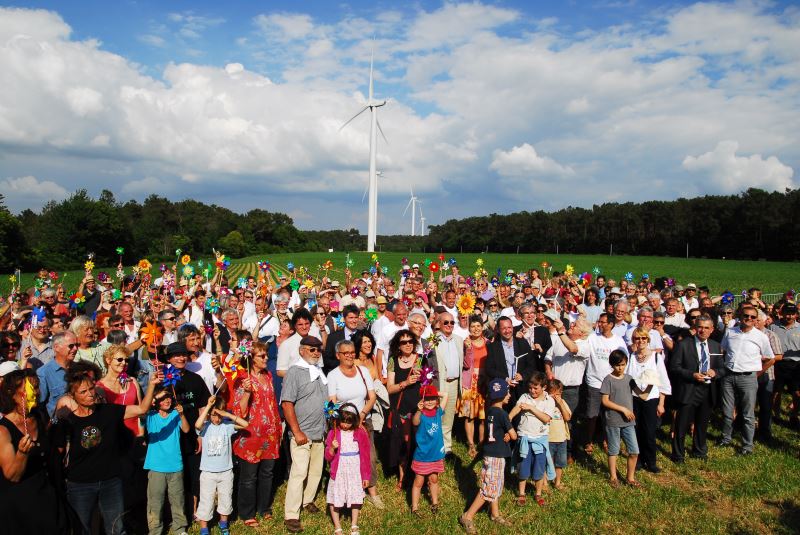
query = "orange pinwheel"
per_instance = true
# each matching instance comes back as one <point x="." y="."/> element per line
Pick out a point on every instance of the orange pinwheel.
<point x="152" y="334"/>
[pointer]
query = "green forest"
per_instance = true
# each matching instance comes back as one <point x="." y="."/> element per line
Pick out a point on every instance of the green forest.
<point x="752" y="225"/>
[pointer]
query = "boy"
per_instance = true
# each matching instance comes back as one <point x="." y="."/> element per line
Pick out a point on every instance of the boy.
<point x="617" y="399"/>
<point x="165" y="463"/>
<point x="536" y="409"/>
<point x="216" y="427"/>
<point x="499" y="433"/>
<point x="559" y="430"/>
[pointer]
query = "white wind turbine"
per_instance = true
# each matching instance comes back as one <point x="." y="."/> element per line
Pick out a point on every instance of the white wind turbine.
<point x="374" y="127"/>
<point x="421" y="220"/>
<point x="366" y="189"/>
<point x="412" y="202"/>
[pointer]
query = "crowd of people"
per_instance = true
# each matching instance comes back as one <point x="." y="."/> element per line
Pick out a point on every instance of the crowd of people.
<point x="205" y="394"/>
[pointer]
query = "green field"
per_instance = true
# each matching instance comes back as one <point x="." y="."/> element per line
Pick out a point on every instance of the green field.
<point x="719" y="275"/>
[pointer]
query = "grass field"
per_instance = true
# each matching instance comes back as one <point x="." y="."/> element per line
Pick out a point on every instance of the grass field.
<point x="719" y="275"/>
<point x="727" y="494"/>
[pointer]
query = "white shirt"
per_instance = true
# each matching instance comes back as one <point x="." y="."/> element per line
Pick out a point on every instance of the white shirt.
<point x="745" y="350"/>
<point x="656" y="342"/>
<point x="461" y="332"/>
<point x="378" y="325"/>
<point x="449" y="348"/>
<point x="676" y="320"/>
<point x="383" y="341"/>
<point x="655" y="362"/>
<point x="289" y="352"/>
<point x="529" y="424"/>
<point x="568" y="367"/>
<point x="689" y="304"/>
<point x="600" y="347"/>
<point x="202" y="367"/>
<point x="269" y="326"/>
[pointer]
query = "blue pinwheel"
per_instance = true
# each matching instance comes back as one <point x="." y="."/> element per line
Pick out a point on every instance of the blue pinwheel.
<point x="629" y="276"/>
<point x="331" y="409"/>
<point x="171" y="375"/>
<point x="727" y="298"/>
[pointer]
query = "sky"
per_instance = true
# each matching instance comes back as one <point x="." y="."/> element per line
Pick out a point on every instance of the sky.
<point x="491" y="107"/>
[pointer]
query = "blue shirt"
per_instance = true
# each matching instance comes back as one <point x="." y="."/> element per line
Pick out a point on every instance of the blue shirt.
<point x="216" y="454"/>
<point x="430" y="438"/>
<point x="163" y="442"/>
<point x="51" y="384"/>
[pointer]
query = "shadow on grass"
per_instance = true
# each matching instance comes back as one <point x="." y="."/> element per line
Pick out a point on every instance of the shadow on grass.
<point x="788" y="514"/>
<point x="465" y="477"/>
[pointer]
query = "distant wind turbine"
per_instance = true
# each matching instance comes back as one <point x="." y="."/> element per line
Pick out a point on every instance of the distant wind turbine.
<point x="374" y="127"/>
<point x="421" y="220"/>
<point x="412" y="203"/>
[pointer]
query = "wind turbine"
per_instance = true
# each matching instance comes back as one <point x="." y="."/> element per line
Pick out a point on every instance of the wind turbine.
<point x="374" y="127"/>
<point x="366" y="189"/>
<point x="421" y="220"/>
<point x="412" y="202"/>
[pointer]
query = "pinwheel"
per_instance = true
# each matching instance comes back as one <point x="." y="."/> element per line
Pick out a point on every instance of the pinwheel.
<point x="427" y="376"/>
<point x="354" y="291"/>
<point x="212" y="305"/>
<point x="152" y="334"/>
<point x="328" y="265"/>
<point x="123" y="378"/>
<point x="433" y="267"/>
<point x="479" y="262"/>
<point x="596" y="271"/>
<point x="374" y="257"/>
<point x="144" y="265"/>
<point x="294" y="284"/>
<point x="188" y="271"/>
<point x="404" y="260"/>
<point x="171" y="376"/>
<point x="241" y="282"/>
<point x="102" y="276"/>
<point x="185" y="259"/>
<point x="264" y="265"/>
<point x="349" y="262"/>
<point x="38" y="314"/>
<point x="452" y="261"/>
<point x="77" y="300"/>
<point x="339" y="321"/>
<point x="309" y="283"/>
<point x="290" y="266"/>
<point x="116" y="294"/>
<point x="371" y="314"/>
<point x="569" y="270"/>
<point x="727" y="298"/>
<point x="88" y="266"/>
<point x="331" y="410"/>
<point x="629" y="276"/>
<point x="645" y="276"/>
<point x="53" y="275"/>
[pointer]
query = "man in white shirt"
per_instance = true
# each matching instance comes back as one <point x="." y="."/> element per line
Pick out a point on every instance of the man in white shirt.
<point x="400" y="316"/>
<point x="620" y="325"/>
<point x="745" y="348"/>
<point x="289" y="351"/>
<point x="449" y="362"/>
<point x="673" y="317"/>
<point x="689" y="300"/>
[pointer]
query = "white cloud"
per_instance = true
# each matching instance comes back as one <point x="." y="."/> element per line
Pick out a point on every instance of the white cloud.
<point x="285" y="26"/>
<point x="523" y="160"/>
<point x="153" y="40"/>
<point x="455" y="23"/>
<point x="731" y="173"/>
<point x="28" y="192"/>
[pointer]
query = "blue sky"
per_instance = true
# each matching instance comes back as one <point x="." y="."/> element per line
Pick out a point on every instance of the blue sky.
<point x="492" y="107"/>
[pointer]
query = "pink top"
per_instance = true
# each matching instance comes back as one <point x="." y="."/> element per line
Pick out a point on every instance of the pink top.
<point x="361" y="437"/>
<point x="126" y="397"/>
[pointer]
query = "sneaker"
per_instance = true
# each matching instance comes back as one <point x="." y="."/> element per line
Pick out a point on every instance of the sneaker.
<point x="376" y="501"/>
<point x="724" y="443"/>
<point x="293" y="525"/>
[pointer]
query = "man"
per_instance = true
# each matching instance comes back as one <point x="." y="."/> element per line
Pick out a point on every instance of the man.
<point x="51" y="376"/>
<point x="303" y="397"/>
<point x="745" y="347"/>
<point x="600" y="281"/>
<point x="199" y="361"/>
<point x="289" y="350"/>
<point x="449" y="302"/>
<point x="263" y="324"/>
<point x="329" y="360"/>
<point x="620" y="325"/>
<point x="654" y="299"/>
<point x="37" y="347"/>
<point x="167" y="318"/>
<point x="689" y="299"/>
<point x="509" y="358"/>
<point x="673" y="317"/>
<point x="787" y="370"/>
<point x="400" y="316"/>
<point x="449" y="361"/>
<point x="230" y="324"/>
<point x="696" y="367"/>
<point x="644" y="317"/>
<point x="383" y="320"/>
<point x="92" y="294"/>
<point x="535" y="329"/>
<point x="131" y="326"/>
<point x="597" y="368"/>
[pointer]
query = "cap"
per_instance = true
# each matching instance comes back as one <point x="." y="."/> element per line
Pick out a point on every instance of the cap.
<point x="335" y="284"/>
<point x="678" y="288"/>
<point x="551" y="314"/>
<point x="498" y="388"/>
<point x="510" y="272"/>
<point x="428" y="391"/>
<point x="382" y="300"/>
<point x="691" y="286"/>
<point x="415" y="266"/>
<point x="370" y="293"/>
<point x="789" y="308"/>
<point x="311" y="341"/>
<point x="406" y="266"/>
<point x="615" y="291"/>
<point x="8" y="367"/>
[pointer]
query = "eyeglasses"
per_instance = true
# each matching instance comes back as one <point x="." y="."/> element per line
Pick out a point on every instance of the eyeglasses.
<point x="448" y="323"/>
<point x="492" y="304"/>
<point x="406" y="342"/>
<point x="312" y="349"/>
<point x="120" y="360"/>
<point x="120" y="324"/>
<point x="640" y="339"/>
<point x="728" y="313"/>
<point x="14" y="344"/>
<point x="345" y="353"/>
<point x="170" y="319"/>
<point x="749" y="317"/>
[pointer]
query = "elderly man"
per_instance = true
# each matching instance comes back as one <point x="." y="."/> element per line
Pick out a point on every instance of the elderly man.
<point x="131" y="326"/>
<point x="37" y="348"/>
<point x="787" y="370"/>
<point x="620" y="325"/>
<point x="674" y="318"/>
<point x="230" y="324"/>
<point x="51" y="376"/>
<point x="745" y="348"/>
<point x="449" y="363"/>
<point x="400" y="316"/>
<point x="303" y="397"/>
<point x="91" y="293"/>
<point x="289" y="350"/>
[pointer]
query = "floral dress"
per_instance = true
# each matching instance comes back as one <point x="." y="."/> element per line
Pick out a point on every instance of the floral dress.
<point x="262" y="438"/>
<point x="346" y="489"/>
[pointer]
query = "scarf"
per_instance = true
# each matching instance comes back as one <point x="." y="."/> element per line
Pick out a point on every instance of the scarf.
<point x="313" y="370"/>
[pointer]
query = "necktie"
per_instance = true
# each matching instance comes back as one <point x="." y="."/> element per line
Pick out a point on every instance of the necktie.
<point x="703" y="358"/>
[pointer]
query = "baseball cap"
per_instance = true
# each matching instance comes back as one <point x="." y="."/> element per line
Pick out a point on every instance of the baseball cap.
<point x="498" y="388"/>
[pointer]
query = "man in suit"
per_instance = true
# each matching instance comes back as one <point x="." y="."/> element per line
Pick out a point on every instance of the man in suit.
<point x="449" y="363"/>
<point x="509" y="358"/>
<point x="329" y="360"/>
<point x="536" y="334"/>
<point x="696" y="366"/>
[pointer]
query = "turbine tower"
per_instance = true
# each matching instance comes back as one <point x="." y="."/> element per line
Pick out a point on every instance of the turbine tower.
<point x="374" y="126"/>
<point x="413" y="204"/>
<point x="421" y="220"/>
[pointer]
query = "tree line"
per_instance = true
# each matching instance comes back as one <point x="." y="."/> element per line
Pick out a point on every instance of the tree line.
<point x="754" y="224"/>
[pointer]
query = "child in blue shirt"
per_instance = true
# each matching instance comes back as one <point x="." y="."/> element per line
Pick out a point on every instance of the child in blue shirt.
<point x="216" y="427"/>
<point x="428" y="461"/>
<point x="164" y="461"/>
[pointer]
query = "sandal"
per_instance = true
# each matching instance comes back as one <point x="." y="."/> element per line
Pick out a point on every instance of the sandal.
<point x="634" y="484"/>
<point x="614" y="483"/>
<point x="473" y="451"/>
<point x="434" y="508"/>
<point x="354" y="530"/>
<point x="521" y="499"/>
<point x="416" y="513"/>
<point x="468" y="525"/>
<point x="502" y="521"/>
<point x="539" y="500"/>
<point x="588" y="449"/>
<point x="251" y="523"/>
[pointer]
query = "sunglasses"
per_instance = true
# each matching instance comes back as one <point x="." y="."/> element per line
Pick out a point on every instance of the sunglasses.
<point x="120" y="324"/>
<point x="72" y="346"/>
<point x="313" y="349"/>
<point x="658" y="322"/>
<point x="448" y="323"/>
<point x="120" y="360"/>
<point x="406" y="342"/>
<point x="749" y="317"/>
<point x="640" y="339"/>
<point x="170" y="319"/>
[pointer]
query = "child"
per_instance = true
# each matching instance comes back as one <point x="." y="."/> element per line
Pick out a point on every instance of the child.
<point x="617" y="400"/>
<point x="347" y="449"/>
<point x="216" y="463"/>
<point x="536" y="409"/>
<point x="559" y="430"/>
<point x="499" y="432"/>
<point x="164" y="461"/>
<point x="428" y="459"/>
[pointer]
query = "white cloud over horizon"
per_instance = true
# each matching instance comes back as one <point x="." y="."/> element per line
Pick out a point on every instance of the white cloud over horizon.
<point x="477" y="93"/>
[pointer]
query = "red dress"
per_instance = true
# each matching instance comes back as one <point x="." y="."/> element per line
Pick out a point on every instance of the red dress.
<point x="262" y="438"/>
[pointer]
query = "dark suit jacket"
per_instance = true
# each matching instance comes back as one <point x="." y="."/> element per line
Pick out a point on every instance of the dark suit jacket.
<point x="541" y="336"/>
<point x="685" y="362"/>
<point x="496" y="360"/>
<point x="329" y="360"/>
<point x="224" y="340"/>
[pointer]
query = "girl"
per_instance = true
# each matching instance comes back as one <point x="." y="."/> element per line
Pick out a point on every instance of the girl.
<point x="559" y="430"/>
<point x="347" y="450"/>
<point x="429" y="454"/>
<point x="216" y="462"/>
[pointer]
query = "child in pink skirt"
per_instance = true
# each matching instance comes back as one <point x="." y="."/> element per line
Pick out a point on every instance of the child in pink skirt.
<point x="347" y="450"/>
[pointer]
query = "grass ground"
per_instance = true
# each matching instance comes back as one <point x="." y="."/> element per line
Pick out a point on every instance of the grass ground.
<point x="719" y="275"/>
<point x="727" y="494"/>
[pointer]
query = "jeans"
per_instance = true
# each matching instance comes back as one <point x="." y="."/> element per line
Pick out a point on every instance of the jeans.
<point x="764" y="397"/>
<point x="255" y="488"/>
<point x="108" y="494"/>
<point x="160" y="484"/>
<point x="627" y="433"/>
<point x="739" y="390"/>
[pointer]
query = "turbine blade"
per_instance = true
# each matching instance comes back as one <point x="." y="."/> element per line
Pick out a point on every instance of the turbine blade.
<point x="365" y="108"/>
<point x="366" y="190"/>
<point x="406" y="210"/>
<point x="381" y="131"/>
<point x="371" y="60"/>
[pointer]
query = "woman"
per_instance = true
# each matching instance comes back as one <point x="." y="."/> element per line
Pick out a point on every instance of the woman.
<point x="351" y="383"/>
<point x="365" y="352"/>
<point x="258" y="446"/>
<point x="318" y="327"/>
<point x="470" y="405"/>
<point x="83" y="329"/>
<point x="90" y="439"/>
<point x="116" y="387"/>
<point x="10" y="342"/>
<point x="403" y="387"/>
<point x="28" y="501"/>
<point x="648" y="412"/>
<point x="591" y="307"/>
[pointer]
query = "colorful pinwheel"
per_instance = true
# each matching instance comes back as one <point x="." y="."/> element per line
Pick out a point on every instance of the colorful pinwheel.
<point x="171" y="375"/>
<point x="331" y="410"/>
<point x="596" y="271"/>
<point x="185" y="259"/>
<point x="371" y="314"/>
<point x="212" y="305"/>
<point x="427" y="376"/>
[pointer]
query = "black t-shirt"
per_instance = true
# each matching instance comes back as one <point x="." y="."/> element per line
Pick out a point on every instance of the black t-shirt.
<point x="497" y="425"/>
<point x="93" y="444"/>
<point x="193" y="394"/>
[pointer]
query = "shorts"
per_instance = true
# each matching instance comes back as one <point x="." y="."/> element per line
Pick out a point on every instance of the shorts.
<point x="628" y="434"/>
<point x="492" y="478"/>
<point x="533" y="464"/>
<point x="593" y="402"/>
<point x="558" y="451"/>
